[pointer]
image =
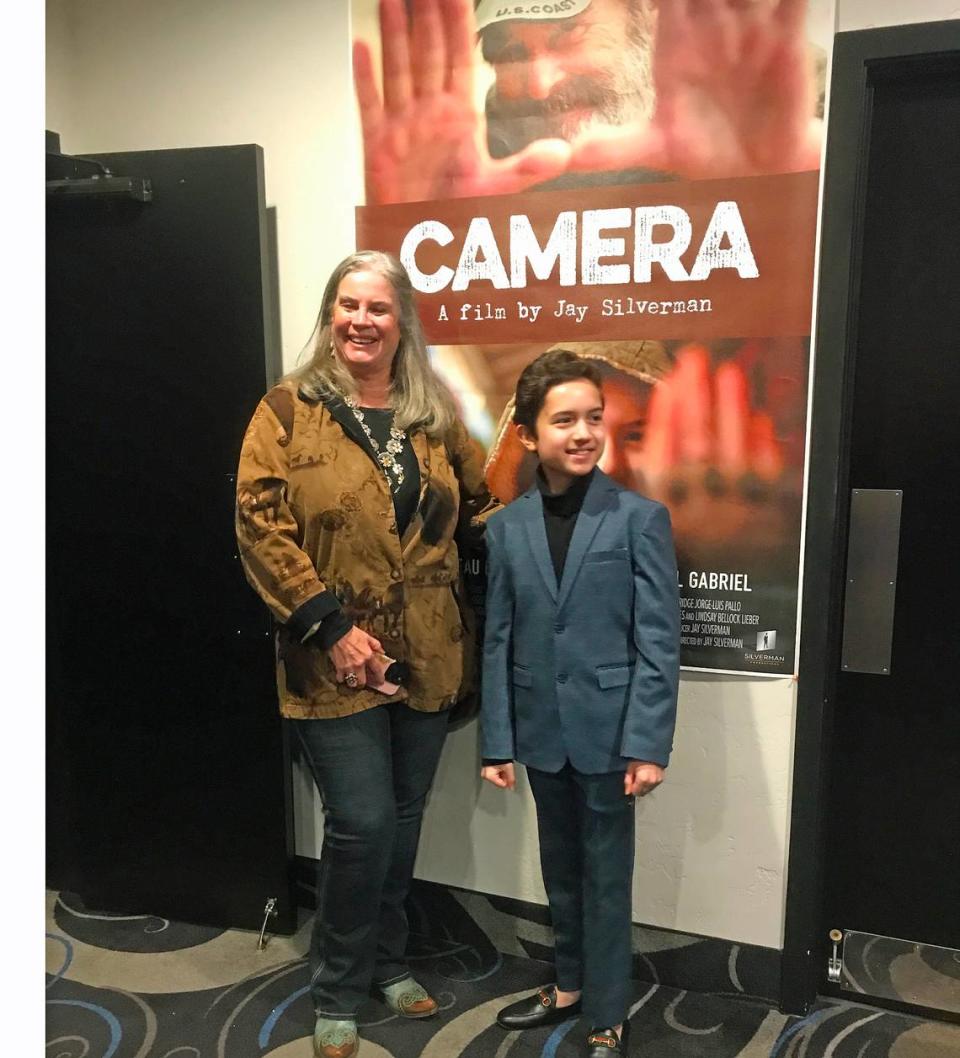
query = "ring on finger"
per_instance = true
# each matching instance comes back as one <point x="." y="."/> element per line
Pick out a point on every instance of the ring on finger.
<point x="350" y="679"/>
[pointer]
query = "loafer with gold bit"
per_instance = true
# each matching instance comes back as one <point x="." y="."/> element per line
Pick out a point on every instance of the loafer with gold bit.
<point x="335" y="1038"/>
<point x="409" y="999"/>
<point x="536" y="1011"/>
<point x="605" y="1043"/>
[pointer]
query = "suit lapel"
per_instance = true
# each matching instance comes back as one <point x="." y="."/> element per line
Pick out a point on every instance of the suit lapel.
<point x="532" y="510"/>
<point x="596" y="503"/>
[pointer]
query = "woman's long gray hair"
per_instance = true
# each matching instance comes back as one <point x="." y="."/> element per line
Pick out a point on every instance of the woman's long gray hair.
<point x="418" y="396"/>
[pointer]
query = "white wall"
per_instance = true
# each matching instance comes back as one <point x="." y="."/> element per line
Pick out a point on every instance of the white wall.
<point x="133" y="74"/>
<point x="711" y="841"/>
<point x="61" y="66"/>
<point x="148" y="74"/>
<point x="869" y="14"/>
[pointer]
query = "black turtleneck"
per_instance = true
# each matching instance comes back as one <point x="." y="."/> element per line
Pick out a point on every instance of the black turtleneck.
<point x="560" y="515"/>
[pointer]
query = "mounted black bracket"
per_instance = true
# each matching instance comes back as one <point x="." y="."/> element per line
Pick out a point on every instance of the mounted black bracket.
<point x="72" y="176"/>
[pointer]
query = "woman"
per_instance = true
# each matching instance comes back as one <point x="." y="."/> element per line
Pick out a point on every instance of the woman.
<point x="354" y="475"/>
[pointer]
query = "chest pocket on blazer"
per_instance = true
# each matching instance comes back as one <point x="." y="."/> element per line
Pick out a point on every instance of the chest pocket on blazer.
<point x="618" y="554"/>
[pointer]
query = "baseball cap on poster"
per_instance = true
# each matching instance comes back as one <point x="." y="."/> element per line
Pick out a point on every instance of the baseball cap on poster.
<point x="490" y="11"/>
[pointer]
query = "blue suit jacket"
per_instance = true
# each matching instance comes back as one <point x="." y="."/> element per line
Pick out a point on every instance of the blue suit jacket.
<point x="586" y="671"/>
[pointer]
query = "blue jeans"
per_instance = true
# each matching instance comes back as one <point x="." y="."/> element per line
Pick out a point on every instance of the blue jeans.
<point x="373" y="770"/>
<point x="586" y="827"/>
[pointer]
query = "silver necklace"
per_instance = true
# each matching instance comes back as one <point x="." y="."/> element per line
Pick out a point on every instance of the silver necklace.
<point x="387" y="458"/>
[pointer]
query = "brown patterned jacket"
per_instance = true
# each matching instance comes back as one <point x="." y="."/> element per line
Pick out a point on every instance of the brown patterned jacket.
<point x="317" y="533"/>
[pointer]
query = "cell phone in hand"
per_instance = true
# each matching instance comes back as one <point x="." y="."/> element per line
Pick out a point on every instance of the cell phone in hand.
<point x="386" y="687"/>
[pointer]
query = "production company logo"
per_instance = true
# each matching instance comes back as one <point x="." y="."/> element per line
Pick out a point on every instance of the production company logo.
<point x="766" y="640"/>
<point x="766" y="645"/>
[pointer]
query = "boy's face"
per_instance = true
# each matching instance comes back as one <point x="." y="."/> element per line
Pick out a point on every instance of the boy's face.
<point x="570" y="434"/>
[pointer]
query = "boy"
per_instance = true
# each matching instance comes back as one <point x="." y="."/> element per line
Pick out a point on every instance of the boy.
<point x="580" y="683"/>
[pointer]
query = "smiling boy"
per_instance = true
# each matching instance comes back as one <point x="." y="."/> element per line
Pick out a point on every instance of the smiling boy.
<point x="580" y="676"/>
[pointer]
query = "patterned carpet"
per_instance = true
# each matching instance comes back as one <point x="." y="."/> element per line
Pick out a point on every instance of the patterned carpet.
<point x="145" y="987"/>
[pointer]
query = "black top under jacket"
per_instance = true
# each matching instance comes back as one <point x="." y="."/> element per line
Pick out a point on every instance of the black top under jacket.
<point x="407" y="496"/>
<point x="560" y="516"/>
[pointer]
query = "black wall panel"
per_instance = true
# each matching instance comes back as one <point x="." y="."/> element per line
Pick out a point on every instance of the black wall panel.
<point x="168" y="784"/>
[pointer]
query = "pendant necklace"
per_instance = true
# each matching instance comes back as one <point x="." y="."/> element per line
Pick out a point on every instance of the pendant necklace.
<point x="386" y="457"/>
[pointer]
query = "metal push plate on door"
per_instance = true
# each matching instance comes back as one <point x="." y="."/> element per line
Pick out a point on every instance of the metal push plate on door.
<point x="873" y="547"/>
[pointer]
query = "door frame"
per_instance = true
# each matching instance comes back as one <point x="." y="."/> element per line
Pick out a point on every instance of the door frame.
<point x="859" y="59"/>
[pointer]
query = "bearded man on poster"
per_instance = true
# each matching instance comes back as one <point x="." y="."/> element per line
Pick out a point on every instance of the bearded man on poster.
<point x="584" y="91"/>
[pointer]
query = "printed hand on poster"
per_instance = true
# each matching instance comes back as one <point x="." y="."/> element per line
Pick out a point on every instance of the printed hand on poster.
<point x="706" y="89"/>
<point x="424" y="139"/>
<point x="709" y="453"/>
<point x="734" y="96"/>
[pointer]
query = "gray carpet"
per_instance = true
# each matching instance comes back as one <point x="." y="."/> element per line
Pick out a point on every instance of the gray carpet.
<point x="144" y="987"/>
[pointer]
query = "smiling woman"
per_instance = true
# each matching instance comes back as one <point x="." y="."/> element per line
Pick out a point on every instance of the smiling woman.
<point x="366" y="326"/>
<point x="354" y="476"/>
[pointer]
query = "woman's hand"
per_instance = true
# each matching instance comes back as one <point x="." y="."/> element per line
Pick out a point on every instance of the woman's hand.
<point x="352" y="653"/>
<point x="501" y="775"/>
<point x="641" y="777"/>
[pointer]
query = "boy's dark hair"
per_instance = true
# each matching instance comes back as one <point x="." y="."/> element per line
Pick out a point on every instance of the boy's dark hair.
<point x="550" y="369"/>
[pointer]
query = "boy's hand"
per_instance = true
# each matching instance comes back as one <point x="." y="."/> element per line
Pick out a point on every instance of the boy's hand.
<point x="640" y="778"/>
<point x="501" y="775"/>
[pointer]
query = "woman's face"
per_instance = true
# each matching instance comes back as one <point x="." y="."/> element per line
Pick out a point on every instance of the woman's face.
<point x="366" y="323"/>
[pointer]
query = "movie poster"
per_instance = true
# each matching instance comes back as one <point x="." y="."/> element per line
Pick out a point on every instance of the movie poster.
<point x="635" y="180"/>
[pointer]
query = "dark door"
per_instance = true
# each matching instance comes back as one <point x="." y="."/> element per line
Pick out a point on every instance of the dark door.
<point x="168" y="774"/>
<point x="892" y="856"/>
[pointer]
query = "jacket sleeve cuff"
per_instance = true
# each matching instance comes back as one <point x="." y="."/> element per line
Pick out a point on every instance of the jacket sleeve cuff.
<point x="332" y="628"/>
<point x="302" y="621"/>
<point x="492" y="762"/>
<point x="647" y="755"/>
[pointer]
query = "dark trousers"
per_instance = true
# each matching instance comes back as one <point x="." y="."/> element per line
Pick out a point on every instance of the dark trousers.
<point x="373" y="770"/>
<point x="586" y="826"/>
